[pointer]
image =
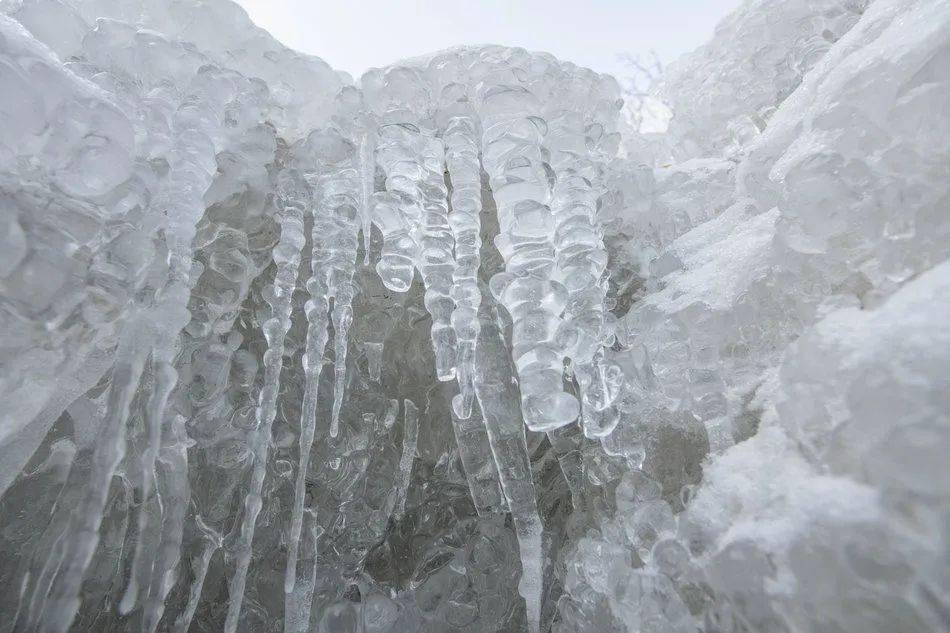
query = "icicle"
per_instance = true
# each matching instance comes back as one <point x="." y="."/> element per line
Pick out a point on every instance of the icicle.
<point x="367" y="183"/>
<point x="316" y="310"/>
<point x="213" y="541"/>
<point x="475" y="454"/>
<point x="437" y="259"/>
<point x="498" y="399"/>
<point x="461" y="157"/>
<point x="334" y="244"/>
<point x="174" y="457"/>
<point x="413" y="217"/>
<point x="298" y="603"/>
<point x="577" y="149"/>
<point x="164" y="378"/>
<point x="374" y="359"/>
<point x="293" y="193"/>
<point x="409" y="438"/>
<point x="342" y="320"/>
<point x="521" y="182"/>
<point x="192" y="167"/>
<point x="65" y="568"/>
<point x="398" y="211"/>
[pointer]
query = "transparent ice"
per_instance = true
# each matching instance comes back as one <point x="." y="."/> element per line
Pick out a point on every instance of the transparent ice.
<point x="453" y="347"/>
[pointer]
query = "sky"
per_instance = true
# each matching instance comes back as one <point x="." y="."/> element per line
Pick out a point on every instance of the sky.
<point x="354" y="35"/>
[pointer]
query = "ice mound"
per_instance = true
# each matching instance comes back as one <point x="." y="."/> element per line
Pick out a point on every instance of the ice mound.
<point x="451" y="348"/>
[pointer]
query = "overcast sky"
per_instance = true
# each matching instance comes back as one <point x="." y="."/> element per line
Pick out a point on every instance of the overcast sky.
<point x="354" y="35"/>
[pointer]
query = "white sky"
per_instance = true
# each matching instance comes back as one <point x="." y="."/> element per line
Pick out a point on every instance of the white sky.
<point x="353" y="35"/>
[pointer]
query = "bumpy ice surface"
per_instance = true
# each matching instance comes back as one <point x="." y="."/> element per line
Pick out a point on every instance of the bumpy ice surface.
<point x="452" y="348"/>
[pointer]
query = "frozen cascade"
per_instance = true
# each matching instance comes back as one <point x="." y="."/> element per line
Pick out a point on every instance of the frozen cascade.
<point x="647" y="381"/>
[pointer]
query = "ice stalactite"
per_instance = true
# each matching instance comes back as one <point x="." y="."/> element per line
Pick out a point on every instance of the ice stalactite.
<point x="212" y="542"/>
<point x="413" y="212"/>
<point x="577" y="147"/>
<point x="437" y="259"/>
<point x="298" y="603"/>
<point x="461" y="136"/>
<point x="398" y="211"/>
<point x="191" y="170"/>
<point x="521" y="182"/>
<point x="410" y="436"/>
<point x="177" y="492"/>
<point x="367" y="181"/>
<point x="294" y="195"/>
<point x="497" y="394"/>
<point x="477" y="462"/>
<point x="334" y="236"/>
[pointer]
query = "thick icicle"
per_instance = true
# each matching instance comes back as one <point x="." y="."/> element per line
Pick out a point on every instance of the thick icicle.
<point x="410" y="436"/>
<point x="574" y="147"/>
<point x="67" y="563"/>
<point x="498" y="399"/>
<point x="437" y="259"/>
<point x="521" y="182"/>
<point x="333" y="253"/>
<point x="294" y="195"/>
<point x="192" y="167"/>
<point x="475" y="454"/>
<point x="461" y="156"/>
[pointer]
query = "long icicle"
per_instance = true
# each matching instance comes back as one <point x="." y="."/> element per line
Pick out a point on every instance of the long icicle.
<point x="410" y="436"/>
<point x="499" y="402"/>
<point x="192" y="171"/>
<point x="476" y="457"/>
<point x="333" y="251"/>
<point x="367" y="183"/>
<point x="293" y="195"/>
<point x="174" y="458"/>
<point x="213" y="541"/>
<point x="437" y="258"/>
<point x="461" y="157"/>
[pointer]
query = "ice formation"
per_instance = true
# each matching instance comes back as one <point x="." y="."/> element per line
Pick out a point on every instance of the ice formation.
<point x="642" y="382"/>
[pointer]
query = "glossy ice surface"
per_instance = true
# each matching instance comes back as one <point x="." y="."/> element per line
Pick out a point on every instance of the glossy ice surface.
<point x="453" y="348"/>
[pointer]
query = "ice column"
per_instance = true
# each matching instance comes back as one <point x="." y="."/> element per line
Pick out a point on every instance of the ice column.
<point x="293" y="196"/>
<point x="521" y="182"/>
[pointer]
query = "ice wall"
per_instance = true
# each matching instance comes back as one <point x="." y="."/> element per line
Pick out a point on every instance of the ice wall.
<point x="429" y="352"/>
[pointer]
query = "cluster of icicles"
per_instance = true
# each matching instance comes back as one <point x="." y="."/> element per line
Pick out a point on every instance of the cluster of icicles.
<point x="543" y="132"/>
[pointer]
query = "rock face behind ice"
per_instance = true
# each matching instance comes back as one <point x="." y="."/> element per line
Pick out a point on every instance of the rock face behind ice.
<point x="279" y="351"/>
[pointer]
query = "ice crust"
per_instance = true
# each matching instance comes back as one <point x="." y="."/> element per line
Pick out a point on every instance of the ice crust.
<point x="678" y="382"/>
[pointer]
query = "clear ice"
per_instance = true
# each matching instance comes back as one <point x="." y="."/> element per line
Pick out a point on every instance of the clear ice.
<point x="691" y="376"/>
